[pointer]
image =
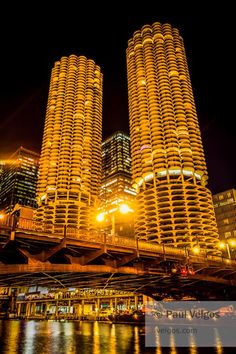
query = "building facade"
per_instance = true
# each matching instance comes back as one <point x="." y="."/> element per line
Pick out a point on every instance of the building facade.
<point x="19" y="180"/>
<point x="116" y="169"/>
<point x="168" y="163"/>
<point x="116" y="187"/>
<point x="225" y="210"/>
<point x="70" y="162"/>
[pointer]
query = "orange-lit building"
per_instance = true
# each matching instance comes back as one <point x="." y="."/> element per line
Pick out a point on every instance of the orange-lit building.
<point x="225" y="210"/>
<point x="168" y="163"/>
<point x="70" y="162"/>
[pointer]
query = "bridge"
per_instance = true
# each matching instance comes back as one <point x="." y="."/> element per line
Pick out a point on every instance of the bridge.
<point x="30" y="255"/>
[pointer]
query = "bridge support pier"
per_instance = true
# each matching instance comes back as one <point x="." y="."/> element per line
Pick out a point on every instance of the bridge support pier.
<point x="27" y="311"/>
<point x="136" y="302"/>
<point x="82" y="307"/>
<point x="111" y="305"/>
<point x="19" y="310"/>
<point x="56" y="312"/>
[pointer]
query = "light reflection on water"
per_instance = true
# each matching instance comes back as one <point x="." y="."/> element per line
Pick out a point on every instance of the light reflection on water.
<point x="49" y="337"/>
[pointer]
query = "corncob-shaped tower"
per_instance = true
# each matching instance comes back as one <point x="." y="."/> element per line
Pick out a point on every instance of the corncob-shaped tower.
<point x="70" y="163"/>
<point x="168" y="163"/>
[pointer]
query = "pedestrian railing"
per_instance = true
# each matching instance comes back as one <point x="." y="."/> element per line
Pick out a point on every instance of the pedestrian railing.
<point x="101" y="238"/>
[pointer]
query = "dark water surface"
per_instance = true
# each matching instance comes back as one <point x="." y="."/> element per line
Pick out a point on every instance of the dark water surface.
<point x="44" y="337"/>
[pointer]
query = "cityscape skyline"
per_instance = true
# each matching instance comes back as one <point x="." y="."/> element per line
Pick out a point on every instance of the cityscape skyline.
<point x="25" y="95"/>
<point x="116" y="216"/>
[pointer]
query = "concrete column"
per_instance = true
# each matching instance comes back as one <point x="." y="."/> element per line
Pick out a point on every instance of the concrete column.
<point x="45" y="310"/>
<point x="128" y="303"/>
<point x="116" y="304"/>
<point x="18" y="309"/>
<point x="56" y="313"/>
<point x="33" y="308"/>
<point x="111" y="304"/>
<point x="82" y="307"/>
<point x="135" y="302"/>
<point x="27" y="311"/>
<point x="145" y="299"/>
<point x="98" y="305"/>
<point x="69" y="304"/>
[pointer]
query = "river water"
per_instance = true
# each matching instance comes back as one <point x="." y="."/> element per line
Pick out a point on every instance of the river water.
<point x="49" y="337"/>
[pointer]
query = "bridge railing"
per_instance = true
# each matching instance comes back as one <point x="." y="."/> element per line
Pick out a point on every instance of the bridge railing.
<point x="101" y="238"/>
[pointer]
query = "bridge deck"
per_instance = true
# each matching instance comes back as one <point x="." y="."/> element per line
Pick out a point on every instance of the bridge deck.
<point x="97" y="260"/>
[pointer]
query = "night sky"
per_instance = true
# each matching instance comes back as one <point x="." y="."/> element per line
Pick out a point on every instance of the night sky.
<point x="33" y="38"/>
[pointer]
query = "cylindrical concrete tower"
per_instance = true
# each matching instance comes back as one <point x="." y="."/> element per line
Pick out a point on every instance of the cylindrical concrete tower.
<point x="168" y="163"/>
<point x="70" y="163"/>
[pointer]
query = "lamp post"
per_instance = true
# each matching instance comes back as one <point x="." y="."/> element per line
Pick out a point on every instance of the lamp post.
<point x="111" y="215"/>
<point x="226" y="245"/>
<point x="228" y="250"/>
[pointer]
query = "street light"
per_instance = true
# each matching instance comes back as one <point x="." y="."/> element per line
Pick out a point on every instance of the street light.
<point x="232" y="243"/>
<point x="122" y="209"/>
<point x="223" y="245"/>
<point x="226" y="245"/>
<point x="100" y="217"/>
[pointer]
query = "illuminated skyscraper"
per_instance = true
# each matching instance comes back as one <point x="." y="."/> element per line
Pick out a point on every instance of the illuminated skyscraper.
<point x="116" y="188"/>
<point x="116" y="169"/>
<point x="70" y="162"/>
<point x="19" y="179"/>
<point x="225" y="210"/>
<point x="168" y="163"/>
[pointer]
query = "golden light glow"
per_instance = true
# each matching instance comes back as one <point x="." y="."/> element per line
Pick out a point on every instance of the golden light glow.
<point x="2" y="216"/>
<point x="124" y="208"/>
<point x="222" y="245"/>
<point x="168" y="164"/>
<point x="196" y="250"/>
<point x="100" y="217"/>
<point x="232" y="243"/>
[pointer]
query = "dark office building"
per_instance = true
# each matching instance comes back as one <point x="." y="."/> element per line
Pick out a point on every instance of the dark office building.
<point x="116" y="155"/>
<point x="225" y="210"/>
<point x="18" y="180"/>
<point x="116" y="169"/>
<point x="116" y="188"/>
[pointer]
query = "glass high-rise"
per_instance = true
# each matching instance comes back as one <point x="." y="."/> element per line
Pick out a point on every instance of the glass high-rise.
<point x="70" y="162"/>
<point x="18" y="180"/>
<point x="225" y="210"/>
<point x="116" y="187"/>
<point x="168" y="163"/>
<point x="116" y="170"/>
